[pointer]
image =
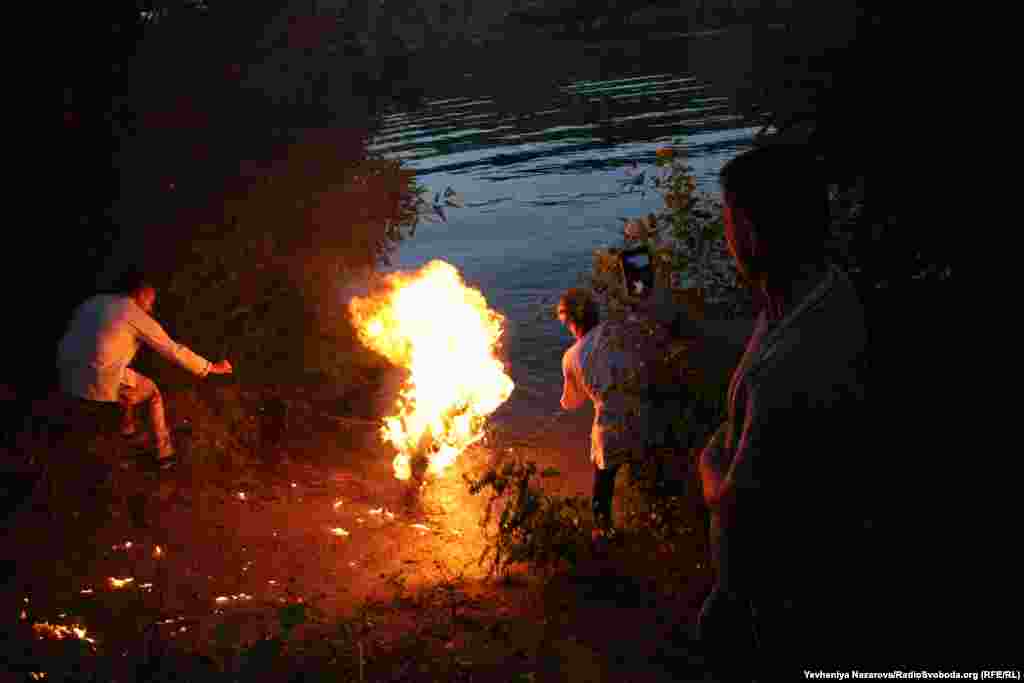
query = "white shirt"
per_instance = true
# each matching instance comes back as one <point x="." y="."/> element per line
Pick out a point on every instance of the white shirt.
<point x="592" y="368"/>
<point x="104" y="335"/>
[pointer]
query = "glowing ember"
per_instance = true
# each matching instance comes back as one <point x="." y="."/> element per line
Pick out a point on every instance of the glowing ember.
<point x="241" y="495"/>
<point x="158" y="551"/>
<point x="420" y="526"/>
<point x="222" y="599"/>
<point x="120" y="583"/>
<point x="338" y="531"/>
<point x="337" y="504"/>
<point x="87" y="591"/>
<point x="60" y="632"/>
<point x="432" y="324"/>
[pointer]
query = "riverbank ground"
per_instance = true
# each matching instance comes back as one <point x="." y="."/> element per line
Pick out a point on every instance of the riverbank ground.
<point x="387" y="585"/>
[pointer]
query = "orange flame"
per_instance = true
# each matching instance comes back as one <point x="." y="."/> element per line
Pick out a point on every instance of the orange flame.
<point x="443" y="332"/>
<point x="60" y="631"/>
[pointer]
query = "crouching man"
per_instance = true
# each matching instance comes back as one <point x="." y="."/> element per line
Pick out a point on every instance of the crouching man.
<point x="102" y="339"/>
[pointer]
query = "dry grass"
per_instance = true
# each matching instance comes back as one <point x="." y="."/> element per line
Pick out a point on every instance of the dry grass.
<point x="410" y="601"/>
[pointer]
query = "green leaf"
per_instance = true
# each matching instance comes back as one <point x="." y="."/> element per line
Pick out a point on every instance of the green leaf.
<point x="550" y="472"/>
<point x="291" y="616"/>
<point x="226" y="634"/>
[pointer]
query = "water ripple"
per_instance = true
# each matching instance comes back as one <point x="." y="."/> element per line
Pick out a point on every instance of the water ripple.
<point x="545" y="182"/>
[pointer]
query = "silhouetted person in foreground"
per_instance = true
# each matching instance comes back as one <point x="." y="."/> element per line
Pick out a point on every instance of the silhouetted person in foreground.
<point x="103" y="338"/>
<point x="781" y="477"/>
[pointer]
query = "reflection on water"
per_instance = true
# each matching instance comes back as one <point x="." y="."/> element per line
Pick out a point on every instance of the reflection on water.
<point x="544" y="188"/>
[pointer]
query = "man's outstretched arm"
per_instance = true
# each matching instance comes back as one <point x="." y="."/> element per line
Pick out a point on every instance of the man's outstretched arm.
<point x="154" y="335"/>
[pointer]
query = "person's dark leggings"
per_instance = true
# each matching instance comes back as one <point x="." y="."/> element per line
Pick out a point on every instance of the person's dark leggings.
<point x="604" y="487"/>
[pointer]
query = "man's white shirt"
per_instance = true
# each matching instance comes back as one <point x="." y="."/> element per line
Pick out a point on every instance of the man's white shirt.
<point x="104" y="335"/>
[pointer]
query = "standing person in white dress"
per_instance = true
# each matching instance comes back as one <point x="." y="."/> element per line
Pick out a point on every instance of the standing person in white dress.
<point x="605" y="367"/>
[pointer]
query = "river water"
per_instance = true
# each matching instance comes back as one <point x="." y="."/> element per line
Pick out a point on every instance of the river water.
<point x="545" y="176"/>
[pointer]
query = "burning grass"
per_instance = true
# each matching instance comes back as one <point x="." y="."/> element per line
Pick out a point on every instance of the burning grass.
<point x="60" y="632"/>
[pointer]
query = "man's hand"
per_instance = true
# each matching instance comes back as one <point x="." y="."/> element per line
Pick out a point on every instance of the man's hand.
<point x="712" y="464"/>
<point x="221" y="368"/>
<point x="658" y="305"/>
<point x="714" y="455"/>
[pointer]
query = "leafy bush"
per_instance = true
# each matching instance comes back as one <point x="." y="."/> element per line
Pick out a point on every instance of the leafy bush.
<point x="535" y="528"/>
<point x="263" y="287"/>
<point x="686" y="237"/>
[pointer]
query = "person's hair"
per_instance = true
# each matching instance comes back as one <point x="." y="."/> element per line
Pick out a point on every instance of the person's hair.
<point x="580" y="308"/>
<point x="129" y="282"/>
<point x="783" y="192"/>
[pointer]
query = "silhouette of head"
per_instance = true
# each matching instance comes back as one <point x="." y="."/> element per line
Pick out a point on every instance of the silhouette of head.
<point x="776" y="211"/>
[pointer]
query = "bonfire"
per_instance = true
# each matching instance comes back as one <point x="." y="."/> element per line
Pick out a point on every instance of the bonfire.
<point x="445" y="336"/>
